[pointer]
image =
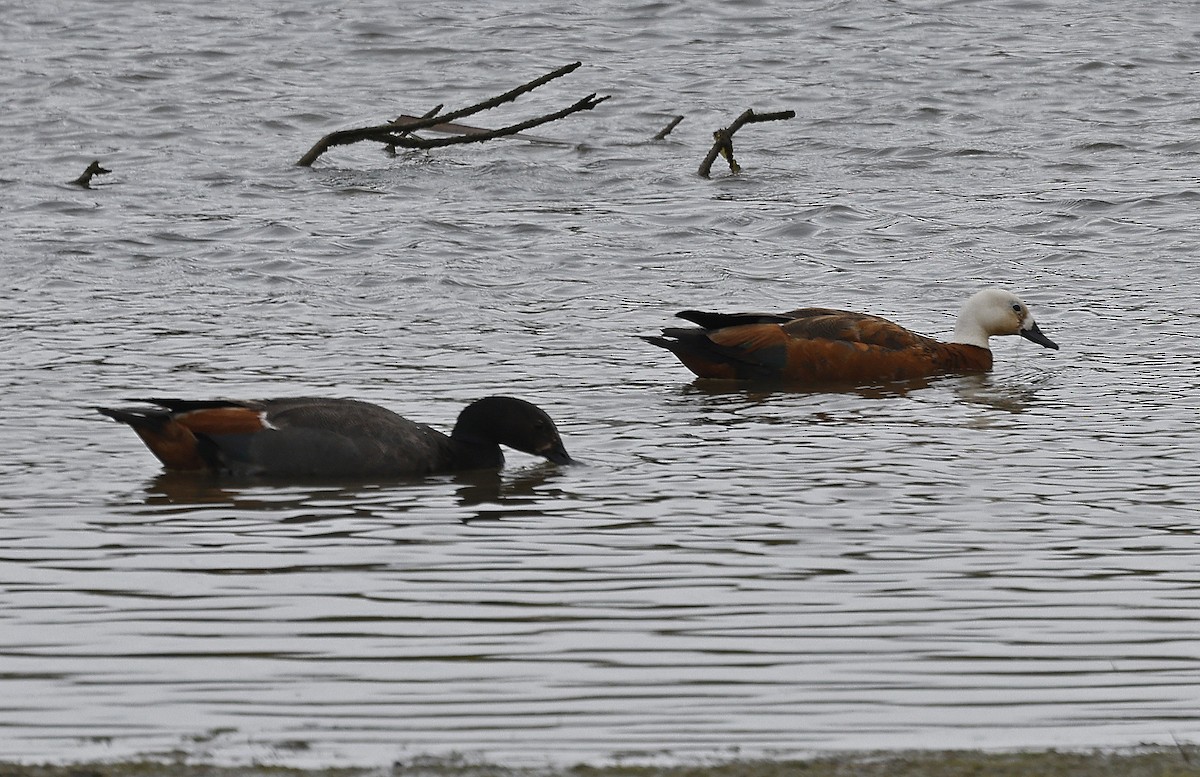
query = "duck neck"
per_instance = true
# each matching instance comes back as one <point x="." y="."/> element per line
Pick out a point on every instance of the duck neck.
<point x="473" y="452"/>
<point x="969" y="332"/>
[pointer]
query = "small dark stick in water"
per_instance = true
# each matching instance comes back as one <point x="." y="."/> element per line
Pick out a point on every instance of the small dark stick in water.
<point x="85" y="180"/>
<point x="662" y="133"/>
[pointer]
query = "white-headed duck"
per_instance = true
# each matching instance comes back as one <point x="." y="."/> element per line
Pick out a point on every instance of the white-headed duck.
<point x="819" y="346"/>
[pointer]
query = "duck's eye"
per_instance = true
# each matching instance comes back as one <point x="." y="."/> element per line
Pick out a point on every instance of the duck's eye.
<point x="1016" y="308"/>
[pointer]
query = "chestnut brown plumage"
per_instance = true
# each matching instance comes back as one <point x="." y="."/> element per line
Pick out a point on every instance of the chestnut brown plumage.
<point x="337" y="438"/>
<point x="822" y="346"/>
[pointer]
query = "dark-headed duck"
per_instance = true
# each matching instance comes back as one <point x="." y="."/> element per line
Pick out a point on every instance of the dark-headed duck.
<point x="335" y="438"/>
<point x="819" y="346"/>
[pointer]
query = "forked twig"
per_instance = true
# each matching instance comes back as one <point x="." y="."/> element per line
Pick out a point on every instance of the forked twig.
<point x="723" y="138"/>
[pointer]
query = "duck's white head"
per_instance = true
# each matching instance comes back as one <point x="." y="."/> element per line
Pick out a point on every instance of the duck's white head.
<point x="994" y="311"/>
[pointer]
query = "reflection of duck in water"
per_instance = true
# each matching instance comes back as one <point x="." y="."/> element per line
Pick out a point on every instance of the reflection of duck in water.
<point x="819" y="346"/>
<point x="512" y="494"/>
<point x="334" y="438"/>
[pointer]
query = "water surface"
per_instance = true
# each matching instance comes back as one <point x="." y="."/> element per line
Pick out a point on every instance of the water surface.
<point x="988" y="561"/>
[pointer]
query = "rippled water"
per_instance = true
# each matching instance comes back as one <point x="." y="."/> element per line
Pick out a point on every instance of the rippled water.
<point x="1008" y="560"/>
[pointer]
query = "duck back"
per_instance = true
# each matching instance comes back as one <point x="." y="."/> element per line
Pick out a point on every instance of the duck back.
<point x="815" y="346"/>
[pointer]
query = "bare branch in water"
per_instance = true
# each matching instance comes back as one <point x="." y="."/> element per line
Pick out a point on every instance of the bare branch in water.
<point x="662" y="133"/>
<point x="478" y="136"/>
<point x="85" y="180"/>
<point x="398" y="133"/>
<point x="723" y="138"/>
<point x="391" y="149"/>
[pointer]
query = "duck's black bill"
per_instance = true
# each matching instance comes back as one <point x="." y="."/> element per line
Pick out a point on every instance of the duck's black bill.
<point x="1035" y="334"/>
<point x="558" y="455"/>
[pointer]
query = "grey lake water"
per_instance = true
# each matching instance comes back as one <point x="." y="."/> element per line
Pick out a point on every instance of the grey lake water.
<point x="1009" y="560"/>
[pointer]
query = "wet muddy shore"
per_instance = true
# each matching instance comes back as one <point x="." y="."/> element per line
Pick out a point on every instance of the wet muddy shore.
<point x="1151" y="762"/>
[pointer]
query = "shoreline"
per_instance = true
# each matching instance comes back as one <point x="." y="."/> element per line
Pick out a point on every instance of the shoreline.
<point x="1151" y="761"/>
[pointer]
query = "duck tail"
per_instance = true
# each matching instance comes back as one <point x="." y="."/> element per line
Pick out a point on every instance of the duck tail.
<point x="171" y="442"/>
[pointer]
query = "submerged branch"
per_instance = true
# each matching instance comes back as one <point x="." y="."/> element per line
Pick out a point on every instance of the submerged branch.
<point x="399" y="132"/>
<point x="85" y="180"/>
<point x="391" y="148"/>
<point x="662" y="133"/>
<point x="508" y="96"/>
<point x="478" y="136"/>
<point x="723" y="138"/>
